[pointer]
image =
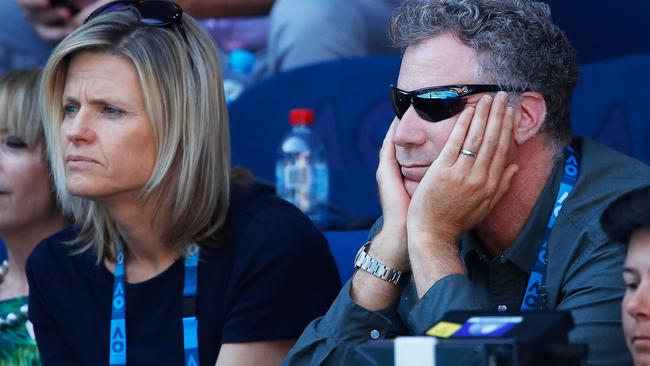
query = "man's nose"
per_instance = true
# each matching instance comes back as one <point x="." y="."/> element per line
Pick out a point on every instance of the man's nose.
<point x="410" y="129"/>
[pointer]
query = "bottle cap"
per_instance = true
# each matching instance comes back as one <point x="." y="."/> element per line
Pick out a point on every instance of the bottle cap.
<point x="300" y="117"/>
<point x="241" y="61"/>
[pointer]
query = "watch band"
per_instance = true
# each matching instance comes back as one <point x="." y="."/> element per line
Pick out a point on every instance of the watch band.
<point x="366" y="262"/>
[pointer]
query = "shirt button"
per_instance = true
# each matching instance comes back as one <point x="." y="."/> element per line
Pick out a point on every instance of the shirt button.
<point x="375" y="334"/>
<point x="502" y="308"/>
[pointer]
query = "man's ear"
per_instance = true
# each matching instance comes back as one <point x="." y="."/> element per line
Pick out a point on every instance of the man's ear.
<point x="529" y="116"/>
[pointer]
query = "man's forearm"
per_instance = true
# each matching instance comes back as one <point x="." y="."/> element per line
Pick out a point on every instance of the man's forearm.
<point x="432" y="259"/>
<point x="226" y="8"/>
<point x="373" y="293"/>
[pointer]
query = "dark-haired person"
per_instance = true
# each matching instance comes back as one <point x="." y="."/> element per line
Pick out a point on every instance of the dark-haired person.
<point x="627" y="220"/>
<point x="489" y="202"/>
<point x="174" y="263"/>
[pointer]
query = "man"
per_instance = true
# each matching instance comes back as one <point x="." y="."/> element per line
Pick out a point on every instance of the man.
<point x="469" y="180"/>
<point x="627" y="220"/>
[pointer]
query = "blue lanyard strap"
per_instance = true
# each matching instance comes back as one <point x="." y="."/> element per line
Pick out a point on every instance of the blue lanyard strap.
<point x="190" y="323"/>
<point x="118" y="324"/>
<point x="535" y="296"/>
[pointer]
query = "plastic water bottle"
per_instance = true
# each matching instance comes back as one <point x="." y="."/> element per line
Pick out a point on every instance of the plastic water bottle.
<point x="301" y="171"/>
<point x="240" y="62"/>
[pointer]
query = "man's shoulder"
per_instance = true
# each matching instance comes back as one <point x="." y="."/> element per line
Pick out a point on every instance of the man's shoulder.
<point x="605" y="174"/>
<point x="602" y="164"/>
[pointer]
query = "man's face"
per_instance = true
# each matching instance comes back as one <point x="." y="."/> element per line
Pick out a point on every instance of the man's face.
<point x="434" y="62"/>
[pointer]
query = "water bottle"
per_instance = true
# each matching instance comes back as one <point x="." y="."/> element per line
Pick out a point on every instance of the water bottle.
<point x="301" y="172"/>
<point x="240" y="62"/>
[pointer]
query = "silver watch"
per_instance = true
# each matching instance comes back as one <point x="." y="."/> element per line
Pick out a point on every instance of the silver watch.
<point x="364" y="261"/>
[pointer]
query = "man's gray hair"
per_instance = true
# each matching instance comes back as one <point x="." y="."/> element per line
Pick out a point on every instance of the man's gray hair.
<point x="517" y="44"/>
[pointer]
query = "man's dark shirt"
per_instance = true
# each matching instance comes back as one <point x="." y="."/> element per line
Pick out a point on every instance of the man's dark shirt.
<point x="583" y="274"/>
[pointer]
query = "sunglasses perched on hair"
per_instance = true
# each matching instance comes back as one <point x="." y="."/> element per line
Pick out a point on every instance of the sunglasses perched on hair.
<point x="154" y="13"/>
<point x="437" y="103"/>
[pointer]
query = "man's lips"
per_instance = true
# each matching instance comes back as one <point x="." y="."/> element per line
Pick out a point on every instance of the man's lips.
<point x="414" y="172"/>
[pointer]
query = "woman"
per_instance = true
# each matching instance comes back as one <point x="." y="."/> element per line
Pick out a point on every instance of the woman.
<point x="627" y="220"/>
<point x="28" y="210"/>
<point x="173" y="263"/>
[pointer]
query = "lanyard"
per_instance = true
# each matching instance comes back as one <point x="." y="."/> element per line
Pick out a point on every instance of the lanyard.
<point x="535" y="296"/>
<point x="190" y="323"/>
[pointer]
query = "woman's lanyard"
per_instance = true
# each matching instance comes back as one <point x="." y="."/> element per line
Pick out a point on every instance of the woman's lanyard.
<point x="190" y="324"/>
<point x="535" y="296"/>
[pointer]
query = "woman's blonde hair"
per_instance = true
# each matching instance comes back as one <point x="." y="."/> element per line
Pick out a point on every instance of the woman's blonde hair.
<point x="181" y="82"/>
<point x="19" y="113"/>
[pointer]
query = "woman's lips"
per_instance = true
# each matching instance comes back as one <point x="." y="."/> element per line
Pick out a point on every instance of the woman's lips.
<point x="79" y="159"/>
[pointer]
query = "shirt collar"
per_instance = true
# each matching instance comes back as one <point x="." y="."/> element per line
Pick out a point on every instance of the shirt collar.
<point x="525" y="247"/>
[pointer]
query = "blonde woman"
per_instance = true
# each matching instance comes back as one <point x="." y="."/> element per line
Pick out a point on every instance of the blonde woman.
<point x="173" y="264"/>
<point x="28" y="210"/>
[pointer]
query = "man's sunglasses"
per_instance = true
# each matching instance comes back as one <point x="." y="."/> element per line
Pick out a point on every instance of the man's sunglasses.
<point x="154" y="13"/>
<point x="437" y="103"/>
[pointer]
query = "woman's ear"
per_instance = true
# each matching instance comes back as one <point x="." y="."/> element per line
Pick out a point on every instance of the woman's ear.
<point x="529" y="116"/>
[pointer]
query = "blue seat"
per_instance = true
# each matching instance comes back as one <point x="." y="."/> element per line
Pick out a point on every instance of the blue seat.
<point x="352" y="113"/>
<point x="344" y="246"/>
<point x="611" y="104"/>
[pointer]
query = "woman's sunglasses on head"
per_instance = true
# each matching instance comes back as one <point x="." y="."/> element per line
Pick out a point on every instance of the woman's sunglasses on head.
<point x="435" y="104"/>
<point x="154" y="13"/>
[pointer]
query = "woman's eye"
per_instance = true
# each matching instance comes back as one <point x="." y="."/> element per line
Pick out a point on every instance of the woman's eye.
<point x="15" y="143"/>
<point x="631" y="285"/>
<point x="112" y="111"/>
<point x="70" y="110"/>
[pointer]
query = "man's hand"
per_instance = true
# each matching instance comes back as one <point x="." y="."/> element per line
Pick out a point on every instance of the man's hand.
<point x="389" y="245"/>
<point x="393" y="196"/>
<point x="51" y="22"/>
<point x="459" y="191"/>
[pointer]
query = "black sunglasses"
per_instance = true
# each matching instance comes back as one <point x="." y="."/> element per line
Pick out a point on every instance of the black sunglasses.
<point x="154" y="13"/>
<point x="438" y="103"/>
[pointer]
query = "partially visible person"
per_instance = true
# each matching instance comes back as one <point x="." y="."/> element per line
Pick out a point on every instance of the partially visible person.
<point x="285" y="39"/>
<point x="307" y="32"/>
<point x="20" y="45"/>
<point x="28" y="209"/>
<point x="174" y="263"/>
<point x="627" y="220"/>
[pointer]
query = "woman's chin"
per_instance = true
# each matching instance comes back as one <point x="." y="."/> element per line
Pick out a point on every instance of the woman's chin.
<point x="82" y="191"/>
<point x="641" y="358"/>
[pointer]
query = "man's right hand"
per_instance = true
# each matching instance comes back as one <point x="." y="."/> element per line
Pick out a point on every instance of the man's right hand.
<point x="394" y="200"/>
<point x="51" y="22"/>
<point x="389" y="245"/>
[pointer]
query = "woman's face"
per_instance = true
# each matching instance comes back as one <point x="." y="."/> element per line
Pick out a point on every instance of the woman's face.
<point x="636" y="302"/>
<point x="26" y="197"/>
<point x="109" y="147"/>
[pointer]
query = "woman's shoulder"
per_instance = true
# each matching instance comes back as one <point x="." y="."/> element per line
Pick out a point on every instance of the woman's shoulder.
<point x="257" y="202"/>
<point x="259" y="220"/>
<point x="55" y="251"/>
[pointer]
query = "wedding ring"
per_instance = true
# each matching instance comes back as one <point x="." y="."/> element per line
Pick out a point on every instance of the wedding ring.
<point x="469" y="153"/>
